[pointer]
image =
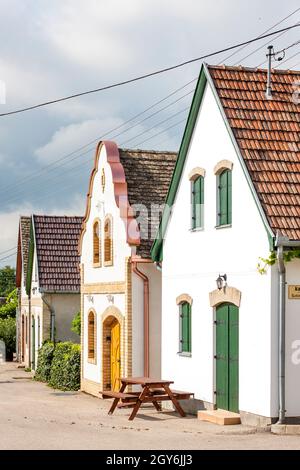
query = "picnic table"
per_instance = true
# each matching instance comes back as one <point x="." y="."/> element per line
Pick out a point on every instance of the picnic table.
<point x="152" y="391"/>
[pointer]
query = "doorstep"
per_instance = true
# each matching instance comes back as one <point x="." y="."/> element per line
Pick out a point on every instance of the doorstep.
<point x="286" y="429"/>
<point x="222" y="417"/>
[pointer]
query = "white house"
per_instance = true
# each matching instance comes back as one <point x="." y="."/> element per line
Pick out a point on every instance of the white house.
<point x="235" y="196"/>
<point x="50" y="293"/>
<point x="120" y="285"/>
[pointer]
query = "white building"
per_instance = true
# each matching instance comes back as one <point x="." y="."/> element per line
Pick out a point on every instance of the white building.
<point x="120" y="285"/>
<point x="239" y="165"/>
<point x="49" y="282"/>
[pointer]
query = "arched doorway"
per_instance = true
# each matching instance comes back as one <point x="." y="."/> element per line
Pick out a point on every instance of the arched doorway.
<point x="227" y="356"/>
<point x="111" y="358"/>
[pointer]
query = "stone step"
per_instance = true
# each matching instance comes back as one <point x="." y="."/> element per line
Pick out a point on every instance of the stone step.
<point x="222" y="417"/>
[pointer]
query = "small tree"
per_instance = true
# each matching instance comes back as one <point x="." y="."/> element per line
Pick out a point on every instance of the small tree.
<point x="76" y="324"/>
<point x="10" y="306"/>
<point x="7" y="280"/>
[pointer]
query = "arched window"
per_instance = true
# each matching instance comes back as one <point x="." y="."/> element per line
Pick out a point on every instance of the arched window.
<point x="91" y="336"/>
<point x="96" y="244"/>
<point x="224" y="197"/>
<point x="185" y="328"/>
<point x="108" y="242"/>
<point x="197" y="202"/>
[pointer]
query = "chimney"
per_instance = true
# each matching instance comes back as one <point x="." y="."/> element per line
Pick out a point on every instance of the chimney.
<point x="269" y="82"/>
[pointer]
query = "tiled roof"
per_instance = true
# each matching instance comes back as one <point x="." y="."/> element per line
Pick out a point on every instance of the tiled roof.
<point x="25" y="238"/>
<point x="56" y="240"/>
<point x="148" y="176"/>
<point x="267" y="132"/>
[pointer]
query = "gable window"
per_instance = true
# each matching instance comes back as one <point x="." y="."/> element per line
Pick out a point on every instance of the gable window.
<point x="96" y="244"/>
<point x="224" y="197"/>
<point x="91" y="336"/>
<point x="184" y="303"/>
<point x="196" y="177"/>
<point x="108" y="242"/>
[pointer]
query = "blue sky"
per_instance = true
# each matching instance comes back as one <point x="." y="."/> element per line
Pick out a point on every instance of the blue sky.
<point x="52" y="49"/>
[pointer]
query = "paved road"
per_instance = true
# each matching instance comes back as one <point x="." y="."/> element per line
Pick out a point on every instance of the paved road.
<point x="33" y="416"/>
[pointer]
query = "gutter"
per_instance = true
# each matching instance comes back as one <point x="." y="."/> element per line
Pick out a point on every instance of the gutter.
<point x="52" y="318"/>
<point x="145" y="279"/>
<point x="282" y="242"/>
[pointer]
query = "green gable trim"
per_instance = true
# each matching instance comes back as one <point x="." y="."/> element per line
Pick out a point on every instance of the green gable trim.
<point x="157" y="247"/>
<point x="30" y="260"/>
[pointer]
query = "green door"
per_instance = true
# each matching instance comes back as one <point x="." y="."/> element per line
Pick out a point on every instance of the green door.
<point x="227" y="355"/>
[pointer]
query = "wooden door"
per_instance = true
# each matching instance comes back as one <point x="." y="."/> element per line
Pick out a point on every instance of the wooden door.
<point x="115" y="359"/>
<point x="227" y="350"/>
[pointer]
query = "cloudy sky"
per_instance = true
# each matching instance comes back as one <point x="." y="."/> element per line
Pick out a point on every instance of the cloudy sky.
<point x="50" y="49"/>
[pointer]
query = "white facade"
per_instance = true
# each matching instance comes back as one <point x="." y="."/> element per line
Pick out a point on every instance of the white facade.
<point x="115" y="290"/>
<point x="192" y="260"/>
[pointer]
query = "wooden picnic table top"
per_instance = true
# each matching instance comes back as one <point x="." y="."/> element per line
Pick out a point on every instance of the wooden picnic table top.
<point x="145" y="381"/>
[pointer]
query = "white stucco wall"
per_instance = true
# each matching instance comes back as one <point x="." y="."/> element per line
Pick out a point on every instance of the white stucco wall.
<point x="65" y="307"/>
<point x="192" y="262"/>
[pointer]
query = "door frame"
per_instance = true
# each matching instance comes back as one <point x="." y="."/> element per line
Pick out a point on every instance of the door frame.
<point x="108" y="317"/>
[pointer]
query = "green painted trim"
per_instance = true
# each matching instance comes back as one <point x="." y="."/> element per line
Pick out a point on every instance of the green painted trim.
<point x="157" y="247"/>
<point x="30" y="260"/>
<point x="204" y="77"/>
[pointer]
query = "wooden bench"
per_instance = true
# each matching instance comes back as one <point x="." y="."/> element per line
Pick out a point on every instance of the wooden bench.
<point x="122" y="396"/>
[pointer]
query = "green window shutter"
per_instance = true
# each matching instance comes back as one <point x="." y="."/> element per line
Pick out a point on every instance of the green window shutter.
<point x="185" y="339"/>
<point x="225" y="198"/>
<point x="197" y="202"/>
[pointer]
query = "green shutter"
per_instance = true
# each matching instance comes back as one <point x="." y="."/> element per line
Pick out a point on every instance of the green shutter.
<point x="185" y="327"/>
<point x="197" y="202"/>
<point x="225" y="198"/>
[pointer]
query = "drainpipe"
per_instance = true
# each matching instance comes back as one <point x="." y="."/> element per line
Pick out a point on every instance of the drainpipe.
<point x="146" y="312"/>
<point x="282" y="242"/>
<point x="52" y="318"/>
<point x="281" y="361"/>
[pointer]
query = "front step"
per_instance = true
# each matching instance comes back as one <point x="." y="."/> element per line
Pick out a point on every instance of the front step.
<point x="222" y="417"/>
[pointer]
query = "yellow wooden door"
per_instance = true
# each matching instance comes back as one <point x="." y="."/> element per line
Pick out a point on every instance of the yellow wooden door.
<point x="115" y="362"/>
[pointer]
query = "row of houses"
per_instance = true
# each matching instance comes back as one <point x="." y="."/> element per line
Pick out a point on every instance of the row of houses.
<point x="163" y="266"/>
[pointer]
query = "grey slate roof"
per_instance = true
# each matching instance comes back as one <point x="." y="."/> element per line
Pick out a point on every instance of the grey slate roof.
<point x="57" y="240"/>
<point x="148" y="175"/>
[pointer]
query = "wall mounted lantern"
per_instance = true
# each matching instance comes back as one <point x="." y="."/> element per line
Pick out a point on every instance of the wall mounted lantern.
<point x="221" y="281"/>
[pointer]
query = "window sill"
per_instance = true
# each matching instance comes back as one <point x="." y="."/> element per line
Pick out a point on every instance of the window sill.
<point x="92" y="361"/>
<point x="185" y="354"/>
<point x="196" y="229"/>
<point x="218" y="227"/>
<point x="108" y="263"/>
<point x="96" y="265"/>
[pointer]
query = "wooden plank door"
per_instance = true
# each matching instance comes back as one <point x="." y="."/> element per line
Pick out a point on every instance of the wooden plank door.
<point x="227" y="344"/>
<point x="115" y="359"/>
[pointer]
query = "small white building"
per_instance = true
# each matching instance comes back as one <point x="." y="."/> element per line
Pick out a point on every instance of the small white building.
<point x="236" y="186"/>
<point x="120" y="285"/>
<point x="48" y="277"/>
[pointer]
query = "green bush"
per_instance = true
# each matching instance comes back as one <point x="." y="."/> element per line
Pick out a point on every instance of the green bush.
<point x="8" y="335"/>
<point x="44" y="362"/>
<point x="9" y="308"/>
<point x="76" y="324"/>
<point x="65" y="368"/>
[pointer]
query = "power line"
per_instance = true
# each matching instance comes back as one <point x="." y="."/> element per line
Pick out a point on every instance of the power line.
<point x="147" y="75"/>
<point x="7" y="251"/>
<point x="9" y="256"/>
<point x="286" y="60"/>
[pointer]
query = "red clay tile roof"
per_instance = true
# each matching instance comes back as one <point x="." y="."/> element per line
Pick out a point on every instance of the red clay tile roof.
<point x="56" y="240"/>
<point x="148" y="176"/>
<point x="267" y="132"/>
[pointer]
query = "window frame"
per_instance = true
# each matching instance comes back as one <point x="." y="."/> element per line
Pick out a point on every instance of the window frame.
<point x="228" y="213"/>
<point x="187" y="353"/>
<point x="98" y="263"/>
<point x="108" y="262"/>
<point x="92" y="358"/>
<point x="195" y="225"/>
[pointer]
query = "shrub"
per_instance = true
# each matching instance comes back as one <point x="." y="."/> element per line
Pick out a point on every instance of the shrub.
<point x="44" y="362"/>
<point x="9" y="308"/>
<point x="8" y="335"/>
<point x="76" y="324"/>
<point x="65" y="369"/>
